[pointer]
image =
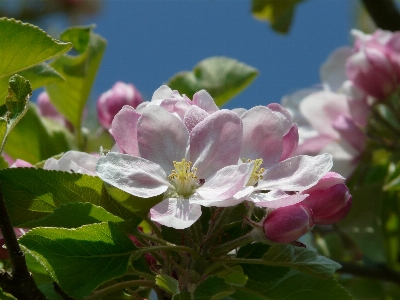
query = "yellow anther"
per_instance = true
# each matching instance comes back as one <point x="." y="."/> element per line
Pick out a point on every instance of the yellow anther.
<point x="257" y="172"/>
<point x="183" y="178"/>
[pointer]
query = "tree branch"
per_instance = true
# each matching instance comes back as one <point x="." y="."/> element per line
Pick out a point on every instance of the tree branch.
<point x="20" y="282"/>
<point x="374" y="272"/>
<point x="384" y="13"/>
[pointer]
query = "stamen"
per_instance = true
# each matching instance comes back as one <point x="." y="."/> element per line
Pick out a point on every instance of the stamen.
<point x="257" y="172"/>
<point x="183" y="178"/>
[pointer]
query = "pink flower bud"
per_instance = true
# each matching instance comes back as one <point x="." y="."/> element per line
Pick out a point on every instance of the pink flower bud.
<point x="330" y="204"/>
<point x="287" y="224"/>
<point x="4" y="252"/>
<point x="48" y="110"/>
<point x="19" y="163"/>
<point x="111" y="102"/>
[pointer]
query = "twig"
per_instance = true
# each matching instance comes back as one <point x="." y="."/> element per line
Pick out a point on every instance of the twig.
<point x="375" y="272"/>
<point x="20" y="282"/>
<point x="384" y="13"/>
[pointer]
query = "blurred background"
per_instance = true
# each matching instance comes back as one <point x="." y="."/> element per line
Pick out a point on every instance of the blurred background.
<point x="150" y="41"/>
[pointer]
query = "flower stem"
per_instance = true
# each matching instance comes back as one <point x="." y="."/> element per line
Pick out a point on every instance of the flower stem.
<point x="231" y="245"/>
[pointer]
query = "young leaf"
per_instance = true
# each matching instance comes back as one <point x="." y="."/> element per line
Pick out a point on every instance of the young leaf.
<point x="302" y="259"/>
<point x="168" y="284"/>
<point x="80" y="259"/>
<point x="35" y="139"/>
<point x="73" y="215"/>
<point x="222" y="77"/>
<point x="294" y="286"/>
<point x="79" y="72"/>
<point x="38" y="76"/>
<point x="17" y="105"/>
<point x="6" y="296"/>
<point x="23" y="45"/>
<point x="31" y="194"/>
<point x="214" y="288"/>
<point x="278" y="13"/>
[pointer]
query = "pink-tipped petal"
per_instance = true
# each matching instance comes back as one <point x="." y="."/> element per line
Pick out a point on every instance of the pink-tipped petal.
<point x="322" y="108"/>
<point x="329" y="179"/>
<point x="239" y="197"/>
<point x="276" y="198"/>
<point x="215" y="142"/>
<point x="193" y="116"/>
<point x="203" y="100"/>
<point x="283" y="115"/>
<point x="176" y="106"/>
<point x="226" y="182"/>
<point x="19" y="163"/>
<point x="134" y="175"/>
<point x="262" y="135"/>
<point x="350" y="132"/>
<point x="162" y="137"/>
<point x="124" y="130"/>
<point x="176" y="213"/>
<point x="290" y="142"/>
<point x="296" y="174"/>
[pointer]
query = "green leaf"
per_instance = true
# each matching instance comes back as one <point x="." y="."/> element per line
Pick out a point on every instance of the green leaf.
<point x="31" y="194"/>
<point x="39" y="273"/>
<point x="17" y="105"/>
<point x="80" y="259"/>
<point x="234" y="275"/>
<point x="35" y="139"/>
<point x="23" y="45"/>
<point x="49" y="291"/>
<point x="302" y="259"/>
<point x="277" y="12"/>
<point x="75" y="214"/>
<point x="6" y="296"/>
<point x="3" y="163"/>
<point x="79" y="72"/>
<point x="213" y="288"/>
<point x="38" y="76"/>
<point x="137" y="205"/>
<point x="168" y="284"/>
<point x="294" y="286"/>
<point x="223" y="78"/>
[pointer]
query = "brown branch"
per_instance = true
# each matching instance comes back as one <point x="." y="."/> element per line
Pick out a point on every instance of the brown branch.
<point x="384" y="13"/>
<point x="20" y="282"/>
<point x="373" y="272"/>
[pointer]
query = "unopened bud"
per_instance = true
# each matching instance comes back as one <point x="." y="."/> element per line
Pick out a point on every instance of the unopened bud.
<point x="111" y="102"/>
<point x="287" y="224"/>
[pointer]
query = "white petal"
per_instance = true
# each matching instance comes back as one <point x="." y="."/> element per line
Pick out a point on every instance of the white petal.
<point x="239" y="197"/>
<point x="226" y="182"/>
<point x="134" y="175"/>
<point x="73" y="161"/>
<point x="203" y="100"/>
<point x="162" y="137"/>
<point x="276" y="199"/>
<point x="179" y="214"/>
<point x="296" y="173"/>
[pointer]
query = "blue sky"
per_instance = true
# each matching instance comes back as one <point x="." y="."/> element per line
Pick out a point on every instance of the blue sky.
<point x="150" y="41"/>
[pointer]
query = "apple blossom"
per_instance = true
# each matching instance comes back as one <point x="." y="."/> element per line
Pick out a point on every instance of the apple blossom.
<point x="48" y="110"/>
<point x="188" y="168"/>
<point x="110" y="102"/>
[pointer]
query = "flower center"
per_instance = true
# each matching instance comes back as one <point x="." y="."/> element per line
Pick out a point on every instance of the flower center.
<point x="184" y="179"/>
<point x="256" y="174"/>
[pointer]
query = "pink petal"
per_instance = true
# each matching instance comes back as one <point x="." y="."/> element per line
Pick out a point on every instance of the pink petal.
<point x="239" y="197"/>
<point x="283" y="115"/>
<point x="124" y="130"/>
<point x="313" y="145"/>
<point x="215" y="142"/>
<point x="276" y="199"/>
<point x="19" y="163"/>
<point x="193" y="116"/>
<point x="176" y="213"/>
<point x="333" y="71"/>
<point x="350" y="132"/>
<point x="175" y="106"/>
<point x="290" y="142"/>
<point x="163" y="92"/>
<point x="329" y="179"/>
<point x="262" y="135"/>
<point x="322" y="108"/>
<point x="203" y="100"/>
<point x="226" y="182"/>
<point x="162" y="137"/>
<point x="134" y="175"/>
<point x="296" y="173"/>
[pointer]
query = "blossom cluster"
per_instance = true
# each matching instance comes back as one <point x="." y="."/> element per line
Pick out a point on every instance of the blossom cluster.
<point x="333" y="118"/>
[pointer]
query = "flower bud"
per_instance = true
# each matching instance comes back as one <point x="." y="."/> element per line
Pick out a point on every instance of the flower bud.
<point x="111" y="102"/>
<point x="287" y="224"/>
<point x="330" y="204"/>
<point x="48" y="110"/>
